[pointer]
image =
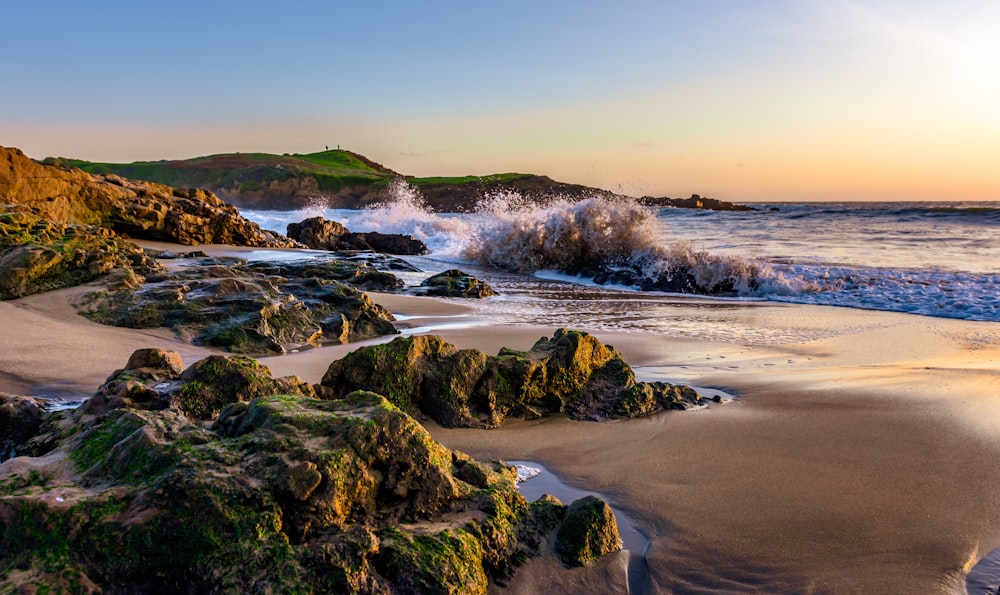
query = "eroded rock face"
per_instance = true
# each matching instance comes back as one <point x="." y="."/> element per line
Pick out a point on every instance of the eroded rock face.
<point x="136" y="209"/>
<point x="38" y="255"/>
<point x="572" y="373"/>
<point x="281" y="492"/>
<point x="454" y="283"/>
<point x="253" y="308"/>
<point x="320" y="234"/>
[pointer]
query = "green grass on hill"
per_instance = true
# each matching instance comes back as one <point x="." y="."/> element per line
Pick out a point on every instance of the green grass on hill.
<point x="333" y="170"/>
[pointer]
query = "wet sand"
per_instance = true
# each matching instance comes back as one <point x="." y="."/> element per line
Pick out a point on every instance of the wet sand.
<point x="862" y="462"/>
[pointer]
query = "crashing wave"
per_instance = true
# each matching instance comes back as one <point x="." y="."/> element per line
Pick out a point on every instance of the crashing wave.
<point x="612" y="241"/>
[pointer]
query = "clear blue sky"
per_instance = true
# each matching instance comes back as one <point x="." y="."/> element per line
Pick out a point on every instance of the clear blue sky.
<point x="733" y="98"/>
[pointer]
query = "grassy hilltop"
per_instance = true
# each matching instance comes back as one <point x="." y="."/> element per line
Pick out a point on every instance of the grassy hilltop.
<point x="262" y="180"/>
<point x="343" y="179"/>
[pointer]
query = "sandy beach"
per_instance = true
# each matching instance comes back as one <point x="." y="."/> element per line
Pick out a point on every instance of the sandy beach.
<point x="862" y="461"/>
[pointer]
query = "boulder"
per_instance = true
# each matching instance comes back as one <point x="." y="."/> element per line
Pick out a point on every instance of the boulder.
<point x="571" y="373"/>
<point x="319" y="234"/>
<point x="454" y="283"/>
<point x="155" y="380"/>
<point x="588" y="532"/>
<point x="20" y="421"/>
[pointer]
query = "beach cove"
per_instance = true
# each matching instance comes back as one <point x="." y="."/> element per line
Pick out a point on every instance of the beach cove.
<point x="859" y="459"/>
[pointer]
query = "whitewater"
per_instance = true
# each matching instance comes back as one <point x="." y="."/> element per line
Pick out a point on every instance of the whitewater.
<point x="933" y="259"/>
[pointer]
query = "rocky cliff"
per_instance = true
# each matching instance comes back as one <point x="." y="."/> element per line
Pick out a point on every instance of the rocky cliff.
<point x="144" y="210"/>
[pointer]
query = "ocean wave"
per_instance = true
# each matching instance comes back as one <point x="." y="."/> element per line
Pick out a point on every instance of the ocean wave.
<point x="614" y="242"/>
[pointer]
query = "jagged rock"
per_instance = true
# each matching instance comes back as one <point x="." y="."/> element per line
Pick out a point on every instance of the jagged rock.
<point x="320" y="234"/>
<point x="454" y="283"/>
<point x="154" y="380"/>
<point x="253" y="308"/>
<point x="281" y="493"/>
<point x="317" y="233"/>
<point x="572" y="372"/>
<point x="39" y="255"/>
<point x="20" y="421"/>
<point x="588" y="532"/>
<point x="137" y="209"/>
<point x="390" y="243"/>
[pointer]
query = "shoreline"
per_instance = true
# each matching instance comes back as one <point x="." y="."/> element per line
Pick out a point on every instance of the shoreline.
<point x="859" y="461"/>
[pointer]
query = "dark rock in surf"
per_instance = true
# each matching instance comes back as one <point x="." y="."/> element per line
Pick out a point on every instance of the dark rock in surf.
<point x="572" y="373"/>
<point x="454" y="283"/>
<point x="320" y="234"/>
<point x="20" y="421"/>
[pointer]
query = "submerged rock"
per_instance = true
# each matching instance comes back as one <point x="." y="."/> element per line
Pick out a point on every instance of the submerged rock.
<point x="253" y="308"/>
<point x="278" y="492"/>
<point x="572" y="372"/>
<point x="454" y="283"/>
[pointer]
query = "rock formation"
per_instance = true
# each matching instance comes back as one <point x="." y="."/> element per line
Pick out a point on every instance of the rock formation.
<point x="454" y="283"/>
<point x="252" y="308"/>
<point x="319" y="234"/>
<point x="135" y="209"/>
<point x="277" y="492"/>
<point x="572" y="372"/>
<point x="39" y="255"/>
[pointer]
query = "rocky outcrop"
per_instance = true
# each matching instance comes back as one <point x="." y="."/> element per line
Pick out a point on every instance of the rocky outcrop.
<point x="252" y="308"/>
<point x="275" y="493"/>
<point x="454" y="283"/>
<point x="694" y="202"/>
<point x="319" y="234"/>
<point x="572" y="372"/>
<point x="135" y="209"/>
<point x="39" y="255"/>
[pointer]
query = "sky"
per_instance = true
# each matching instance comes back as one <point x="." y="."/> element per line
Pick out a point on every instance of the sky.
<point x="735" y="99"/>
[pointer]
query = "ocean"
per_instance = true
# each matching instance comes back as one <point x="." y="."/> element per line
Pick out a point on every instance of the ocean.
<point x="937" y="259"/>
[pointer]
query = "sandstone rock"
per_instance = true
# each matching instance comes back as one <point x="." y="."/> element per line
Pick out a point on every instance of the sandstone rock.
<point x="588" y="532"/>
<point x="454" y="283"/>
<point x="39" y="255"/>
<point x="572" y="373"/>
<point x="138" y="209"/>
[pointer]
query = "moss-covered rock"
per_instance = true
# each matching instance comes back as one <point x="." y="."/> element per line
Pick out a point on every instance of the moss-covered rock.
<point x="588" y="532"/>
<point x="252" y="308"/>
<point x="572" y="372"/>
<point x="154" y="379"/>
<point x="454" y="283"/>
<point x="38" y="255"/>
